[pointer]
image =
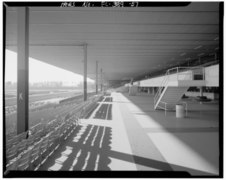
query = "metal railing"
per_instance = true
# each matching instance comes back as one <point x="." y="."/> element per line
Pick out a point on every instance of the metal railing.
<point x="184" y="104"/>
<point x="180" y="72"/>
<point x="161" y="88"/>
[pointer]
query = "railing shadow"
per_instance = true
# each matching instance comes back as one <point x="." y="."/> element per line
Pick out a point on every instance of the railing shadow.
<point x="87" y="150"/>
<point x="90" y="150"/>
<point x="108" y="99"/>
<point x="104" y="112"/>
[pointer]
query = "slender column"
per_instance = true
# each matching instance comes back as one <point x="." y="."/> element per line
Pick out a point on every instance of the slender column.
<point x="96" y="77"/>
<point x="85" y="73"/>
<point x="131" y="81"/>
<point x="101" y="80"/>
<point x="22" y="69"/>
<point x="201" y="91"/>
<point x="149" y="90"/>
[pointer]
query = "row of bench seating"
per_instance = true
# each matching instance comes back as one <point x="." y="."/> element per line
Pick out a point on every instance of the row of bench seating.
<point x="47" y="112"/>
<point x="30" y="153"/>
<point x="90" y="105"/>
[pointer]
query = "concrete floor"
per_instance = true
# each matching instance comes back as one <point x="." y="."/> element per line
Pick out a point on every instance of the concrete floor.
<point x="136" y="137"/>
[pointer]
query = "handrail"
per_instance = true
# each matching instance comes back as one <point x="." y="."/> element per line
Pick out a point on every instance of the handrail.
<point x="178" y="70"/>
<point x="183" y="102"/>
<point x="184" y="67"/>
<point x="158" y="93"/>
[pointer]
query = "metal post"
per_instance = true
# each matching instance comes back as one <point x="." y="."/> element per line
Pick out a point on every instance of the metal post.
<point x="201" y="91"/>
<point x="22" y="69"/>
<point x="85" y="72"/>
<point x="131" y="81"/>
<point x="96" y="77"/>
<point x="203" y="73"/>
<point x="101" y="79"/>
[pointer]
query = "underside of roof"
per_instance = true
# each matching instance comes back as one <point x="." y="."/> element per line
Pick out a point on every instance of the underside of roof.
<point x="126" y="42"/>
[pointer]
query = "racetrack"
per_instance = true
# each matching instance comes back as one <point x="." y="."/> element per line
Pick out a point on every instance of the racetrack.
<point x="43" y="96"/>
<point x="46" y="111"/>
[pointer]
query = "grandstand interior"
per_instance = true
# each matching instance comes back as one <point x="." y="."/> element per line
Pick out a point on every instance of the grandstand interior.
<point x="155" y="109"/>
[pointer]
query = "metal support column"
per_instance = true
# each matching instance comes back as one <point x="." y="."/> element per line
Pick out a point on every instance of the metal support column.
<point x="131" y="81"/>
<point x="201" y="91"/>
<point x="149" y="90"/>
<point x="85" y="73"/>
<point x="101" y="80"/>
<point x="96" y="77"/>
<point x="22" y="69"/>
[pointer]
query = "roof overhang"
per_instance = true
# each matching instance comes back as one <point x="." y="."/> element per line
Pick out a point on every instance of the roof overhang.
<point x="126" y="42"/>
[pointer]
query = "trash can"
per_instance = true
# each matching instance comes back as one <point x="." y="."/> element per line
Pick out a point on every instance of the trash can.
<point x="179" y="111"/>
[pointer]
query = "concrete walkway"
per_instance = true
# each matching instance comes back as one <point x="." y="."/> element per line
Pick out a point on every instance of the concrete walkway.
<point x="136" y="137"/>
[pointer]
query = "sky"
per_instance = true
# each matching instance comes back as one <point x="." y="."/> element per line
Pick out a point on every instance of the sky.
<point x="48" y="72"/>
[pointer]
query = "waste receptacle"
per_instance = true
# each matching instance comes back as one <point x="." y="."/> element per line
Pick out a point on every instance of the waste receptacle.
<point x="179" y="111"/>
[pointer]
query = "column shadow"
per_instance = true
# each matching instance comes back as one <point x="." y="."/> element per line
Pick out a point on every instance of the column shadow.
<point x="180" y="128"/>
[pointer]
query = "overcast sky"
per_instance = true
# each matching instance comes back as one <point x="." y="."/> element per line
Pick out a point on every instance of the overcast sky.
<point x="39" y="71"/>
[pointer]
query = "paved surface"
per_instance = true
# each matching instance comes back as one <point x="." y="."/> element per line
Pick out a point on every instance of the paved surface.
<point x="139" y="138"/>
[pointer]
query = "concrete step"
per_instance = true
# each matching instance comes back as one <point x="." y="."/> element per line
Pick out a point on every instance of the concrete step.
<point x="171" y="95"/>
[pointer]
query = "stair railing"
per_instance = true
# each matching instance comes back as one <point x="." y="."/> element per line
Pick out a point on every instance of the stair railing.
<point x="177" y="71"/>
<point x="163" y="84"/>
<point x="161" y="87"/>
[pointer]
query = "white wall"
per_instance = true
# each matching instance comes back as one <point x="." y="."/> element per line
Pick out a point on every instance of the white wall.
<point x="212" y="76"/>
<point x="153" y="82"/>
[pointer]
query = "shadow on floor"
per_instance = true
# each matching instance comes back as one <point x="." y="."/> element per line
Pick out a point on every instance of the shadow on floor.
<point x="87" y="149"/>
<point x="104" y="112"/>
<point x="87" y="116"/>
<point x="195" y="125"/>
<point x="90" y="150"/>
<point x="108" y="99"/>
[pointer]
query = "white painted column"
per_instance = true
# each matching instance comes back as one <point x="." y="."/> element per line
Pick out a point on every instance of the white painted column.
<point x="149" y="90"/>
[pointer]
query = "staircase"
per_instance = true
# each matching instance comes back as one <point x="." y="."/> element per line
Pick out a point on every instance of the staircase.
<point x="174" y="85"/>
<point x="170" y="97"/>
